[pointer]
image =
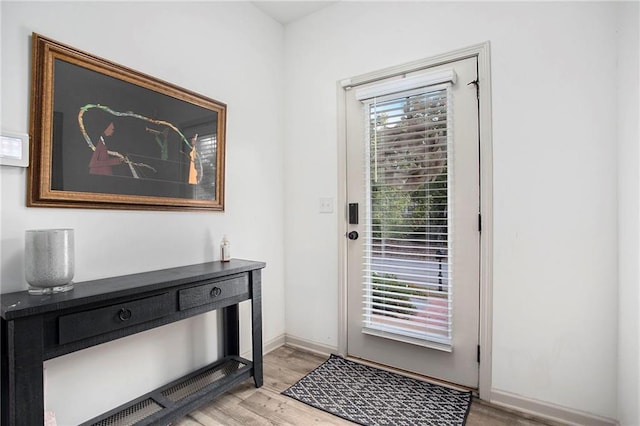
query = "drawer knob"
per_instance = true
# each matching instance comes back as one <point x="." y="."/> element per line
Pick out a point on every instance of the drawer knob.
<point x="215" y="292"/>
<point x="124" y="314"/>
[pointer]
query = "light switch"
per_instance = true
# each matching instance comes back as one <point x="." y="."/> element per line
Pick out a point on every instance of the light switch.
<point x="326" y="205"/>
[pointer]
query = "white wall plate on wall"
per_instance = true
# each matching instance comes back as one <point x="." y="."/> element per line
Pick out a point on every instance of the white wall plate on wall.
<point x="14" y="149"/>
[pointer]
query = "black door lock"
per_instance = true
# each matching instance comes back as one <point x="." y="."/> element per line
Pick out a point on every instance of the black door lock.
<point x="353" y="213"/>
<point x="353" y="235"/>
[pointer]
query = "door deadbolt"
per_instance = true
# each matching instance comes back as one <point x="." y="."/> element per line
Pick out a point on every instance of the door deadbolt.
<point x="353" y="235"/>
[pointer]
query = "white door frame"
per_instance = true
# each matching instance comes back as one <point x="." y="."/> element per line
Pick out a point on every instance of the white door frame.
<point x="482" y="52"/>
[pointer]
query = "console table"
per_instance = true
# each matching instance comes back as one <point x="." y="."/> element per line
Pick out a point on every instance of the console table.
<point x="38" y="328"/>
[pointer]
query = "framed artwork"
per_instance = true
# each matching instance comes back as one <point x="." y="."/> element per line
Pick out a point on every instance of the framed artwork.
<point x="106" y="136"/>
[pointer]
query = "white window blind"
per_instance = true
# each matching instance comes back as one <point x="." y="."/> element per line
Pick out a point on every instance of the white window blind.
<point x="407" y="269"/>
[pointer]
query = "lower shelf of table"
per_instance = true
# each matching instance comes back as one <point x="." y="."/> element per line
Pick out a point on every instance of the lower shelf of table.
<point x="179" y="397"/>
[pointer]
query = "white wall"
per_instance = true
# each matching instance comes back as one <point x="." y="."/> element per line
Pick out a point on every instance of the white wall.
<point x="554" y="166"/>
<point x="228" y="51"/>
<point x="628" y="213"/>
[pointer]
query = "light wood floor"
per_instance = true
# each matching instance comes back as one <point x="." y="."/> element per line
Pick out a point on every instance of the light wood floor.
<point x="246" y="405"/>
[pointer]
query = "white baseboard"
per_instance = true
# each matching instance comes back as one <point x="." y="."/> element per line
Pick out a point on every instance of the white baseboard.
<point x="308" y="345"/>
<point x="267" y="347"/>
<point x="274" y="344"/>
<point x="548" y="410"/>
<point x="296" y="342"/>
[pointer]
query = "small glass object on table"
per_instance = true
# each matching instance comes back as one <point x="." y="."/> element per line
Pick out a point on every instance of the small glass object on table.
<point x="49" y="256"/>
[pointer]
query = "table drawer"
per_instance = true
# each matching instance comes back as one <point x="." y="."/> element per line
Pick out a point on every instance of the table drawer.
<point x="98" y="321"/>
<point x="213" y="292"/>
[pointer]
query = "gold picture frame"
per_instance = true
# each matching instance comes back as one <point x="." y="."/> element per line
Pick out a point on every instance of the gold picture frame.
<point x="109" y="137"/>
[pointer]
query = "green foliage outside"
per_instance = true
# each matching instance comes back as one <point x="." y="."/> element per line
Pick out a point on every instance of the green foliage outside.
<point x="406" y="204"/>
<point x="401" y="297"/>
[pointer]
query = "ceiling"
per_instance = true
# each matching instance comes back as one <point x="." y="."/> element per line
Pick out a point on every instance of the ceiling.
<point x="288" y="11"/>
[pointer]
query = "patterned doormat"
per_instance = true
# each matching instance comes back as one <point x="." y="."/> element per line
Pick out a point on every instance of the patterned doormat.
<point x="370" y="396"/>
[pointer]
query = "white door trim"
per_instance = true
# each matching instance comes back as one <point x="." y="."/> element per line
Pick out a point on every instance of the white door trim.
<point x="482" y="52"/>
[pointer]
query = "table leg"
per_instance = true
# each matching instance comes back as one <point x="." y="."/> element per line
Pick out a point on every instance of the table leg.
<point x="256" y="325"/>
<point x="22" y="355"/>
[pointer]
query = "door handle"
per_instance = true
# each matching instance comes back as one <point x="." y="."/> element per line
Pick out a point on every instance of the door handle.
<point x="353" y="235"/>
